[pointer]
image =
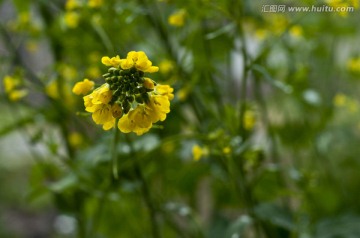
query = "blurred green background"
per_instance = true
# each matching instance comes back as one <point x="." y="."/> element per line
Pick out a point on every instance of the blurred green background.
<point x="262" y="139"/>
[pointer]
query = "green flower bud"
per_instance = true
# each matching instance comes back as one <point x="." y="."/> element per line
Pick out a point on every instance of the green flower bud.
<point x="139" y="99"/>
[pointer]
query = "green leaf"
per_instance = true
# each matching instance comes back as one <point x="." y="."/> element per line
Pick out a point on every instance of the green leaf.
<point x="16" y="125"/>
<point x="343" y="226"/>
<point x="280" y="85"/>
<point x="65" y="183"/>
<point x="276" y="215"/>
<point x="223" y="30"/>
<point x="237" y="228"/>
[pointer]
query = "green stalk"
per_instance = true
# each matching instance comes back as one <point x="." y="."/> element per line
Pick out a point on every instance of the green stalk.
<point x="114" y="159"/>
<point x="145" y="191"/>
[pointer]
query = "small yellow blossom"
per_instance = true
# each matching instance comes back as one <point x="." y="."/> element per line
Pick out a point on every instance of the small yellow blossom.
<point x="199" y="152"/>
<point x="352" y="106"/>
<point x="72" y="19"/>
<point x="165" y="90"/>
<point x="177" y="18"/>
<point x="76" y="139"/>
<point x="32" y="46"/>
<point x="261" y="34"/>
<point x="140" y="61"/>
<point x="113" y="61"/>
<point x="227" y="150"/>
<point x="249" y="120"/>
<point x="52" y="89"/>
<point x="166" y="66"/>
<point x="340" y="100"/>
<point x="93" y="72"/>
<point x="182" y="94"/>
<point x="83" y="87"/>
<point x="16" y="95"/>
<point x="296" y="31"/>
<point x="148" y="83"/>
<point x="353" y="65"/>
<point x="95" y="3"/>
<point x="11" y="85"/>
<point x="71" y="5"/>
<point x="341" y="6"/>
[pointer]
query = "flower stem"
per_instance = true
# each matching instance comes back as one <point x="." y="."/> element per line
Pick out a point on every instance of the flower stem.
<point x="114" y="158"/>
<point x="145" y="193"/>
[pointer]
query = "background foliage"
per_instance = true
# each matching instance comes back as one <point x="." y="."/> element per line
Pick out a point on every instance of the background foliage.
<point x="261" y="141"/>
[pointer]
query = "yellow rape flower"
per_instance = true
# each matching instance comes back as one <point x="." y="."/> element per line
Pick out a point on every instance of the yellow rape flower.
<point x="296" y="31"/>
<point x="148" y="83"/>
<point x="177" y="18"/>
<point x="127" y="95"/>
<point x="11" y="85"/>
<point x="113" y="61"/>
<point x="340" y="100"/>
<point x="353" y="65"/>
<point x="95" y="3"/>
<point x="140" y="61"/>
<point x="199" y="152"/>
<point x="72" y="19"/>
<point x="249" y="120"/>
<point x="16" y="95"/>
<point x="75" y="139"/>
<point x="166" y="66"/>
<point x="83" y="87"/>
<point x="165" y="90"/>
<point x="226" y="150"/>
<point x="71" y="5"/>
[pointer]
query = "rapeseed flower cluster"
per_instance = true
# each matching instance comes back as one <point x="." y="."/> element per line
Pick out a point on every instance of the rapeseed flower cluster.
<point x="135" y="100"/>
<point x="12" y="86"/>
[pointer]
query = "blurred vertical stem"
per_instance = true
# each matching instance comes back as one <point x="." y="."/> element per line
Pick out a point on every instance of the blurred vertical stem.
<point x="114" y="157"/>
<point x="145" y="191"/>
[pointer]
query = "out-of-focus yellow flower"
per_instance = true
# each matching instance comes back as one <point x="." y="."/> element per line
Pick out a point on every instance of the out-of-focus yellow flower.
<point x="24" y="18"/>
<point x="52" y="90"/>
<point x="71" y="5"/>
<point x="343" y="101"/>
<point x="296" y="31"/>
<point x="76" y="139"/>
<point x="16" y="95"/>
<point x="352" y="105"/>
<point x="177" y="18"/>
<point x="60" y="91"/>
<point x="182" y="94"/>
<point x="93" y="72"/>
<point x="355" y="3"/>
<point x="249" y="120"/>
<point x="166" y="66"/>
<point x="71" y="19"/>
<point x="227" y="150"/>
<point x="261" y="34"/>
<point x="353" y="65"/>
<point x="199" y="152"/>
<point x="32" y="46"/>
<point x="68" y="72"/>
<point x="341" y="6"/>
<point x="95" y="3"/>
<point x="11" y="85"/>
<point x="83" y="87"/>
<point x="340" y="100"/>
